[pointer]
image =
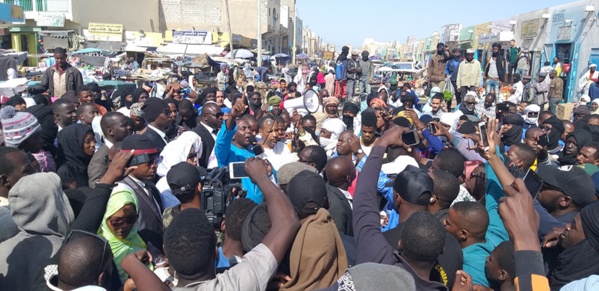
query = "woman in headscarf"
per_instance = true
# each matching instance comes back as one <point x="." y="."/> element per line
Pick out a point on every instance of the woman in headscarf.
<point x="186" y="148"/>
<point x="580" y="242"/>
<point x="119" y="227"/>
<point x="512" y="130"/>
<point x="76" y="146"/>
<point x="124" y="98"/>
<point x="139" y="124"/>
<point x="575" y="141"/>
<point x="139" y="95"/>
<point x="595" y="106"/>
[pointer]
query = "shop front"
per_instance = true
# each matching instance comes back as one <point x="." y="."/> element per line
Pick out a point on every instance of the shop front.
<point x="565" y="40"/>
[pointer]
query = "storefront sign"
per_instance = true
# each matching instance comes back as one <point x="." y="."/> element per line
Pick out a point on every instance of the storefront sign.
<point x="52" y="19"/>
<point x="104" y="32"/>
<point x="530" y="29"/>
<point x="11" y="13"/>
<point x="192" y="37"/>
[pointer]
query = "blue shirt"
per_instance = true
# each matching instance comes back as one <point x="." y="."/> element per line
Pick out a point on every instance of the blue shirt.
<point x="226" y="153"/>
<point x="223" y="261"/>
<point x="476" y="254"/>
<point x="387" y="193"/>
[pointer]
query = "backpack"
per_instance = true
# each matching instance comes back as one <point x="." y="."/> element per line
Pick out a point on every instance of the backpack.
<point x="340" y="69"/>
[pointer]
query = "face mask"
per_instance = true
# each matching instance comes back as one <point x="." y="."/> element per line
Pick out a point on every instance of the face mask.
<point x="324" y="142"/>
<point x="349" y="122"/>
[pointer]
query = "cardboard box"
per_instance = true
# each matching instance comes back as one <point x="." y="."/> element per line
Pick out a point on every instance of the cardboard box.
<point x="564" y="110"/>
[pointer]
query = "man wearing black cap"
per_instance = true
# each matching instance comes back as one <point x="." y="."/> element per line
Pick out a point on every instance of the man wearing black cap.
<point x="413" y="191"/>
<point x="146" y="158"/>
<point x="185" y="182"/>
<point x="436" y="67"/>
<point x="158" y="117"/>
<point x="565" y="191"/>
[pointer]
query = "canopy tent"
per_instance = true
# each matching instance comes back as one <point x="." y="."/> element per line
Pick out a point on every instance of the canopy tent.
<point x="175" y="49"/>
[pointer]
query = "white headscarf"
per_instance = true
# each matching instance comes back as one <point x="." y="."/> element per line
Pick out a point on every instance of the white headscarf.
<point x="451" y="119"/>
<point x="177" y="151"/>
<point x="531" y="108"/>
<point x="596" y="101"/>
<point x="335" y="126"/>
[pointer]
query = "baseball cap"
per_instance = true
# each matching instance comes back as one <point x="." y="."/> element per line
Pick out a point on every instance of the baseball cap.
<point x="307" y="187"/>
<point x="571" y="180"/>
<point x="183" y="178"/>
<point x="414" y="186"/>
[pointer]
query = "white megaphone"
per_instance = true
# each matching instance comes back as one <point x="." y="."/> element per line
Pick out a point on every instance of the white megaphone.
<point x="309" y="102"/>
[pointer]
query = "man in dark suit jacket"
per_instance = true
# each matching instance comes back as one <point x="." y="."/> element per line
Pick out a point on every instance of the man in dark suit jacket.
<point x="340" y="172"/>
<point x="209" y="122"/>
<point x="159" y="117"/>
<point x="149" y="205"/>
<point x="114" y="128"/>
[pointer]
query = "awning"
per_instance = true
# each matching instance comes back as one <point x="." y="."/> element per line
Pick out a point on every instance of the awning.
<point x="138" y="49"/>
<point x="174" y="49"/>
<point x="106" y="45"/>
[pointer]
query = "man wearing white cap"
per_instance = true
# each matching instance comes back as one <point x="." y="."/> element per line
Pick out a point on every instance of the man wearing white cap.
<point x="589" y="77"/>
<point x="353" y="68"/>
<point x="469" y="74"/>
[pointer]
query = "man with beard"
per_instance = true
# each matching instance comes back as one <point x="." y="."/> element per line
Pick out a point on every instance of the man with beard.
<point x="275" y="151"/>
<point x="451" y="70"/>
<point x="495" y="70"/>
<point x="468" y="104"/>
<point x="366" y="74"/>
<point x="469" y="77"/>
<point x="436" y="67"/>
<point x="233" y="144"/>
<point x="436" y="108"/>
<point x="487" y="107"/>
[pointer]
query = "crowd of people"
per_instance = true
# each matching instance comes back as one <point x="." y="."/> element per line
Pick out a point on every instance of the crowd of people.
<point x="127" y="192"/>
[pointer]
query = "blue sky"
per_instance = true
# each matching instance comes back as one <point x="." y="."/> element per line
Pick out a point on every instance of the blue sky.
<point x="349" y="22"/>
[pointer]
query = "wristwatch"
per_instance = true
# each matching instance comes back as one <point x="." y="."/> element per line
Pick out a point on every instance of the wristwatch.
<point x="359" y="151"/>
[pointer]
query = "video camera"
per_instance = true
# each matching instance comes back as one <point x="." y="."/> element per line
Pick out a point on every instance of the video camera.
<point x="218" y="191"/>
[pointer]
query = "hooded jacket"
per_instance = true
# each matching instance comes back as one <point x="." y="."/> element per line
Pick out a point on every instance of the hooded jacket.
<point x="43" y="214"/>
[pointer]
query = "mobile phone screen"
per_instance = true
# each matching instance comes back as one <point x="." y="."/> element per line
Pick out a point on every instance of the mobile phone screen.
<point x="543" y="140"/>
<point x="432" y="129"/>
<point x="533" y="183"/>
<point x="237" y="170"/>
<point x="483" y="135"/>
<point x="409" y="138"/>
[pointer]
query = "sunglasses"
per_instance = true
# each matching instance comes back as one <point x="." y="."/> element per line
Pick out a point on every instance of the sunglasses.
<point x="471" y="103"/>
<point x="144" y="159"/>
<point x="74" y="234"/>
<point x="120" y="221"/>
<point x="533" y="114"/>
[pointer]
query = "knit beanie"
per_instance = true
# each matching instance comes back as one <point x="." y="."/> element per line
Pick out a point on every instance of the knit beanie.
<point x="153" y="107"/>
<point x="17" y="126"/>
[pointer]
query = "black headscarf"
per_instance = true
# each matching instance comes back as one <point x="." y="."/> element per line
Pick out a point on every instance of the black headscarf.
<point x="514" y="134"/>
<point x="582" y="259"/>
<point x="120" y="94"/>
<point x="343" y="55"/>
<point x="583" y="138"/>
<point x="556" y="131"/>
<point x="135" y="94"/>
<point x="204" y="94"/>
<point x="70" y="148"/>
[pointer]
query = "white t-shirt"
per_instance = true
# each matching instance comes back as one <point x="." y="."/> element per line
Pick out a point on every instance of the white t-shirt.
<point x="280" y="155"/>
<point x="252" y="273"/>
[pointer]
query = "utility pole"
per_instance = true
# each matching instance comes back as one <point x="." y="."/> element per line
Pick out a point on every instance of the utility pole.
<point x="259" y="61"/>
<point x="293" y="49"/>
<point x="230" y="31"/>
